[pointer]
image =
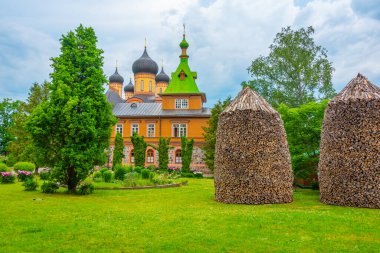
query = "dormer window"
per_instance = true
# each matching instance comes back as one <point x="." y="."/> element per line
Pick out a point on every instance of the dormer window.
<point x="182" y="75"/>
<point x="181" y="103"/>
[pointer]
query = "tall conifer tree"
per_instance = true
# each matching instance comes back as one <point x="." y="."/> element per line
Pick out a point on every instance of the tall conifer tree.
<point x="73" y="126"/>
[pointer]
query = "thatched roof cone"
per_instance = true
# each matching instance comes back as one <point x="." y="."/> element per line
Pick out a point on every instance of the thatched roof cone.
<point x="252" y="160"/>
<point x="349" y="166"/>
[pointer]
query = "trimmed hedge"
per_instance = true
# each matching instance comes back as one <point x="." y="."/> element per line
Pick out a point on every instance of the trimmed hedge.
<point x="26" y="166"/>
<point x="3" y="167"/>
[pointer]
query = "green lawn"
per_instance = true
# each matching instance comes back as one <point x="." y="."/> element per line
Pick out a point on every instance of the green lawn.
<point x="184" y="219"/>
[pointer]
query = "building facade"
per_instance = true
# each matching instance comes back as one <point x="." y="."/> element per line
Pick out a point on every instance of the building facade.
<point x="155" y="105"/>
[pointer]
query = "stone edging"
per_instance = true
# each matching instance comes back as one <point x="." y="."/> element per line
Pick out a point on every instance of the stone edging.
<point x="142" y="187"/>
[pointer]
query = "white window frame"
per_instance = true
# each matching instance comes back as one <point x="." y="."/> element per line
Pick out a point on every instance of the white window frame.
<point x="149" y="159"/>
<point x="132" y="156"/>
<point x="150" y="130"/>
<point x="150" y="86"/>
<point x="182" y="130"/>
<point x="181" y="103"/>
<point x="134" y="126"/>
<point x="119" y="128"/>
<point x="178" y="159"/>
<point x="142" y="85"/>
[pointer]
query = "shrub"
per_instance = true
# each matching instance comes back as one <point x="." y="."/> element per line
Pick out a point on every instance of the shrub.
<point x="145" y="173"/>
<point x="131" y="179"/>
<point x="30" y="185"/>
<point x="102" y="170"/>
<point x="187" y="174"/>
<point x="107" y="176"/>
<point x="44" y="175"/>
<point x="49" y="187"/>
<point x="23" y="175"/>
<point x="97" y="175"/>
<point x="7" y="177"/>
<point x="26" y="166"/>
<point x="85" y="189"/>
<point x="152" y="168"/>
<point x="120" y="172"/>
<point x="315" y="185"/>
<point x="198" y="174"/>
<point x="138" y="169"/>
<point x="129" y="168"/>
<point x="151" y="175"/>
<point x="3" y="167"/>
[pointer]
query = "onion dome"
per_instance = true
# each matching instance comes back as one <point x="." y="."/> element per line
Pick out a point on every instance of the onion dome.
<point x="145" y="65"/>
<point x="116" y="78"/>
<point x="129" y="87"/>
<point x="162" y="77"/>
<point x="184" y="44"/>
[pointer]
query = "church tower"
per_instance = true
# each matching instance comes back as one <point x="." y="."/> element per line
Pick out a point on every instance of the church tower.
<point x="129" y="90"/>
<point x="145" y="71"/>
<point x="116" y="82"/>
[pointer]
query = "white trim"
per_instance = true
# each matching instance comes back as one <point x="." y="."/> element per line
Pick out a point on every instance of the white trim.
<point x="132" y="126"/>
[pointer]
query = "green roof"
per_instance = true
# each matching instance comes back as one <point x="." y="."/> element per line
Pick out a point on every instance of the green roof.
<point x="187" y="85"/>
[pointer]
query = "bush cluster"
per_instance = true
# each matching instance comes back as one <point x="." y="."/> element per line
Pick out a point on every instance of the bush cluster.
<point x="30" y="185"/>
<point x="85" y="188"/>
<point x="145" y="173"/>
<point x="121" y="171"/>
<point x="7" y="177"/>
<point x="3" y="167"/>
<point x="44" y="175"/>
<point x="25" y="166"/>
<point x="49" y="187"/>
<point x="23" y="175"/>
<point x="107" y="176"/>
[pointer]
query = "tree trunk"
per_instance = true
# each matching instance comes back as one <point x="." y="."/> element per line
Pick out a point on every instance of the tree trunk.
<point x="71" y="181"/>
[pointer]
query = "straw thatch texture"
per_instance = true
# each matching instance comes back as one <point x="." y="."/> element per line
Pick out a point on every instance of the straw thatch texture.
<point x="349" y="167"/>
<point x="252" y="160"/>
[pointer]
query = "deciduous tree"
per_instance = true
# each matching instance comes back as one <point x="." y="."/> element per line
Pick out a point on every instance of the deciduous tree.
<point x="8" y="109"/>
<point x="295" y="72"/>
<point x="303" y="129"/>
<point x="210" y="132"/>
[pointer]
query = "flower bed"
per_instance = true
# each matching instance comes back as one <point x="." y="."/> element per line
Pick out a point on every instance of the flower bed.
<point x="7" y="177"/>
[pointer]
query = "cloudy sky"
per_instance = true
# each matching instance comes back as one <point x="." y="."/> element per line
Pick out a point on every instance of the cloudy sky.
<point x="224" y="36"/>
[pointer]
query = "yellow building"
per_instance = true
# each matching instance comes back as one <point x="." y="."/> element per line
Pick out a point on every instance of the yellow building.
<point x="156" y="105"/>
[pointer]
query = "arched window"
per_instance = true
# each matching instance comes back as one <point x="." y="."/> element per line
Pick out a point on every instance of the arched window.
<point x="142" y="85"/>
<point x="132" y="156"/>
<point x="150" y="156"/>
<point x="150" y="86"/>
<point x="178" y="156"/>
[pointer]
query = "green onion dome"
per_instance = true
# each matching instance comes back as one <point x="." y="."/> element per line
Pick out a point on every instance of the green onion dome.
<point x="184" y="44"/>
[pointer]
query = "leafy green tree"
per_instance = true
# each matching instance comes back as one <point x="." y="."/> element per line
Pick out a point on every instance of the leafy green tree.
<point x="303" y="128"/>
<point x="73" y="126"/>
<point x="22" y="147"/>
<point x="8" y="109"/>
<point x="186" y="153"/>
<point x="139" y="149"/>
<point x="118" y="153"/>
<point x="295" y="72"/>
<point x="209" y="133"/>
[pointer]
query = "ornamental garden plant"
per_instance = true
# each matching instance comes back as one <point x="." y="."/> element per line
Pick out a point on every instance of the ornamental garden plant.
<point x="7" y="177"/>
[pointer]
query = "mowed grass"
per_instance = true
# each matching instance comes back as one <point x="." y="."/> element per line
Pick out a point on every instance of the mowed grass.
<point x="185" y="219"/>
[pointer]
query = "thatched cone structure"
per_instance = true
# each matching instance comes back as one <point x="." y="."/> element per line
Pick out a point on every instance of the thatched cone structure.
<point x="252" y="160"/>
<point x="349" y="166"/>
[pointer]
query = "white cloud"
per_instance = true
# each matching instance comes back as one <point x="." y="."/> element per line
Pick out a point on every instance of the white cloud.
<point x="224" y="36"/>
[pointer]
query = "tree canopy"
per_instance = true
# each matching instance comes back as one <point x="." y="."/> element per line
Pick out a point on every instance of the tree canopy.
<point x="295" y="72"/>
<point x="73" y="126"/>
<point x="210" y="132"/>
<point x="22" y="147"/>
<point x="118" y="150"/>
<point x="8" y="109"/>
<point x="303" y="129"/>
